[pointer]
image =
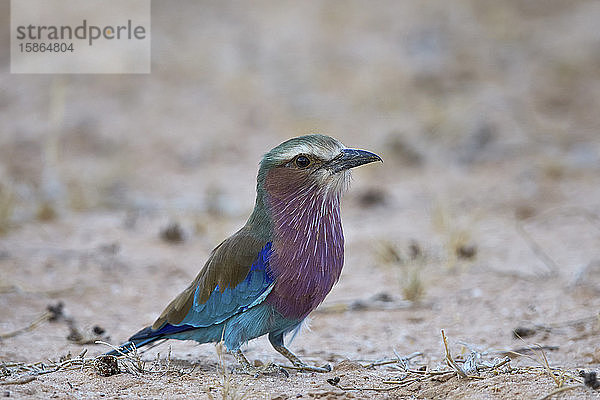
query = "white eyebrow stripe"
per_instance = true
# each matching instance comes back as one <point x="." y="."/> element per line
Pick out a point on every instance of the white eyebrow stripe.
<point x="307" y="148"/>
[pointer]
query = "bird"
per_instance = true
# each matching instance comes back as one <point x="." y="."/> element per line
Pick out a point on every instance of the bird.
<point x="267" y="277"/>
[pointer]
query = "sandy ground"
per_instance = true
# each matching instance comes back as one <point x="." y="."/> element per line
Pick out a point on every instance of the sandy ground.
<point x="483" y="219"/>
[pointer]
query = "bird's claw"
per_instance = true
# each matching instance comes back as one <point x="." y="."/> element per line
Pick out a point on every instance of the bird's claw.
<point x="311" y="368"/>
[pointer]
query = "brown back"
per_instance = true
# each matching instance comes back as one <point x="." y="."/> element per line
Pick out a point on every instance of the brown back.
<point x="227" y="266"/>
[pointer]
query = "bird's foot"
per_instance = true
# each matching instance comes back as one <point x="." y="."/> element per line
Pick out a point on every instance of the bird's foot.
<point x="245" y="367"/>
<point x="249" y="369"/>
<point x="272" y="369"/>
<point x="298" y="364"/>
<point x="309" y="368"/>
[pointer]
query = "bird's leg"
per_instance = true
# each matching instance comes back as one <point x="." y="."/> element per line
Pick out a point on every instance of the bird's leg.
<point x="243" y="361"/>
<point x="245" y="366"/>
<point x="277" y="342"/>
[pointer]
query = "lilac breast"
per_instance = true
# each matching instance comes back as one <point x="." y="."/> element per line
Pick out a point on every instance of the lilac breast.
<point x="308" y="249"/>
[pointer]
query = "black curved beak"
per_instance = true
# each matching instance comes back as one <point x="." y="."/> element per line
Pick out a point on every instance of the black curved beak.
<point x="350" y="158"/>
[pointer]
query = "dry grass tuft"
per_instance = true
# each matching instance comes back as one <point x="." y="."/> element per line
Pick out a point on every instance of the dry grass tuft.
<point x="56" y="313"/>
<point x="410" y="267"/>
<point x="474" y="366"/>
<point x="457" y="236"/>
<point x="229" y="388"/>
<point x="132" y="363"/>
<point x="18" y="372"/>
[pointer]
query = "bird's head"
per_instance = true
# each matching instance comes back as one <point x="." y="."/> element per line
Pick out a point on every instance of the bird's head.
<point x="315" y="163"/>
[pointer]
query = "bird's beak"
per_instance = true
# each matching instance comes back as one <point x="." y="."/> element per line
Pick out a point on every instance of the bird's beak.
<point x="350" y="158"/>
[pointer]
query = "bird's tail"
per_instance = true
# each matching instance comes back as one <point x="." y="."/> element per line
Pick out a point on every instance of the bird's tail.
<point x="149" y="335"/>
<point x="142" y="338"/>
<point x="128" y="346"/>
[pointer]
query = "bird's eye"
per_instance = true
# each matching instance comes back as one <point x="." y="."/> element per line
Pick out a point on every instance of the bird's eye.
<point x="302" y="161"/>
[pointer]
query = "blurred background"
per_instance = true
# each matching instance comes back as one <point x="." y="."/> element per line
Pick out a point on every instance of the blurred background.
<point x="485" y="112"/>
<point x="427" y="84"/>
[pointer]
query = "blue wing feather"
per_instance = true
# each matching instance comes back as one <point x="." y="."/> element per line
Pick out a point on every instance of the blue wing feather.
<point x="223" y="304"/>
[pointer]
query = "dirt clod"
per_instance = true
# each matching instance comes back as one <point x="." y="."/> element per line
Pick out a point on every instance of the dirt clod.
<point x="173" y="233"/>
<point x="523" y="332"/>
<point x="106" y="365"/>
<point x="334" y="381"/>
<point x="590" y="379"/>
<point x="56" y="311"/>
<point x="466" y="252"/>
<point x="98" y="330"/>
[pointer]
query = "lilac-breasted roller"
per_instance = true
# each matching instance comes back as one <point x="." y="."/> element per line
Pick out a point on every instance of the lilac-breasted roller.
<point x="268" y="276"/>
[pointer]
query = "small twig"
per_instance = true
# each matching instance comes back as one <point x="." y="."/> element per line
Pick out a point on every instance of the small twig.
<point x="571" y="323"/>
<point x="432" y="373"/>
<point x="404" y="382"/>
<point x="394" y="360"/>
<point x="49" y="371"/>
<point x="132" y="362"/>
<point x="560" y="390"/>
<point x="522" y="350"/>
<point x="592" y="218"/>
<point x="135" y="359"/>
<point x="546" y="364"/>
<point x="500" y="364"/>
<point x="380" y="363"/>
<point x="21" y="381"/>
<point x="538" y="370"/>
<point x="450" y="361"/>
<point x="11" y="288"/>
<point x="538" y="250"/>
<point x="167" y="368"/>
<point x="336" y="383"/>
<point x="34" y="324"/>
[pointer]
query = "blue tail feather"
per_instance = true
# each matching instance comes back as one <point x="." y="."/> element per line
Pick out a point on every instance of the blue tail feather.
<point x="167" y="329"/>
<point x="147" y="336"/>
<point x="128" y="347"/>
